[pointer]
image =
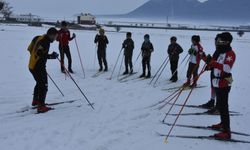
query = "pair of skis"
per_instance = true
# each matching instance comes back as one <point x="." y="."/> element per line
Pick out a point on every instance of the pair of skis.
<point x="205" y="137"/>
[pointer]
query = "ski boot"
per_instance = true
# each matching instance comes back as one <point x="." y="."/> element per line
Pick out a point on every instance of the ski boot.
<point x="70" y="70"/>
<point x="43" y="108"/>
<point x="217" y="126"/>
<point x="225" y="135"/>
<point x="149" y="75"/>
<point x="126" y="72"/>
<point x="208" y="105"/>
<point x="143" y="75"/>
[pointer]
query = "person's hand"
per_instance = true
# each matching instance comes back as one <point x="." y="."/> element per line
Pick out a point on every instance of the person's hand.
<point x="190" y="51"/>
<point x="54" y="55"/>
<point x="73" y="35"/>
<point x="208" y="59"/>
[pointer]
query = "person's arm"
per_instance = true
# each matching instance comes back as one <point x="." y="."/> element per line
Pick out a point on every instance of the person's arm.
<point x="107" y="41"/>
<point x="96" y="39"/>
<point x="169" y="50"/>
<point x="152" y="48"/>
<point x="228" y="64"/>
<point x="73" y="36"/>
<point x="133" y="45"/>
<point x="180" y="49"/>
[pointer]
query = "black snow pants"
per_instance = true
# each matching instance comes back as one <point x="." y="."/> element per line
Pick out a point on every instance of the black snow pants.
<point x="65" y="50"/>
<point x="101" y="55"/>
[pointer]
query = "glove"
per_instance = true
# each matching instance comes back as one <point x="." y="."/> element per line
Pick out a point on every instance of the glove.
<point x="73" y="36"/>
<point x="54" y="55"/>
<point x="192" y="51"/>
<point x="208" y="59"/>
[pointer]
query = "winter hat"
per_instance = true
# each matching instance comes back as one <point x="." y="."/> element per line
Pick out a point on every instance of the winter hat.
<point x="64" y="24"/>
<point x="52" y="31"/>
<point x="146" y="36"/>
<point x="129" y="34"/>
<point x="173" y="38"/>
<point x="101" y="31"/>
<point x="196" y="38"/>
<point x="226" y="36"/>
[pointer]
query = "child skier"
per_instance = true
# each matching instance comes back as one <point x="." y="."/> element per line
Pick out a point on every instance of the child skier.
<point x="63" y="39"/>
<point x="221" y="65"/>
<point x="128" y="46"/>
<point x="196" y="53"/>
<point x="147" y="48"/>
<point x="39" y="48"/>
<point x="174" y="50"/>
<point x="102" y="41"/>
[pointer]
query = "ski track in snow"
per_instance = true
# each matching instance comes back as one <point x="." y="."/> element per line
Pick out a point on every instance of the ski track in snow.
<point x="121" y="119"/>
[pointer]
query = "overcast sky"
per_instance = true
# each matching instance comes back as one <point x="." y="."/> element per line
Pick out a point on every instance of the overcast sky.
<point x="67" y="8"/>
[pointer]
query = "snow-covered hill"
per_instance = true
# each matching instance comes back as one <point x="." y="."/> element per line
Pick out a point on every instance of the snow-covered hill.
<point x="121" y="119"/>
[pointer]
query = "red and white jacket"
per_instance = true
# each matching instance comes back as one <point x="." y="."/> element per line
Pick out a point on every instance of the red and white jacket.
<point x="195" y="59"/>
<point x="222" y="68"/>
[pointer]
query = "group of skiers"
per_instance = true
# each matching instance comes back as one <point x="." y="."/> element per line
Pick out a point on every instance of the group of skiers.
<point x="220" y="64"/>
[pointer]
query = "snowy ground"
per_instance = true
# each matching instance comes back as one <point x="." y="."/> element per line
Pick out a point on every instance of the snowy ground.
<point x="121" y="120"/>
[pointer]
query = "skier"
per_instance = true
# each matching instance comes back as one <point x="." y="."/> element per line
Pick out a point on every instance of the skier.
<point x="63" y="39"/>
<point x="102" y="41"/>
<point x="39" y="48"/>
<point x="174" y="50"/>
<point x="211" y="103"/>
<point x="147" y="48"/>
<point x="196" y="54"/>
<point x="221" y="65"/>
<point x="128" y="46"/>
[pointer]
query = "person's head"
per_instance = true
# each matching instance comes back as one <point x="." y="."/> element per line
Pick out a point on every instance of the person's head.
<point x="101" y="31"/>
<point x="52" y="33"/>
<point x="146" y="37"/>
<point x="224" y="42"/>
<point x="129" y="35"/>
<point x="217" y="38"/>
<point x="64" y="25"/>
<point x="173" y="40"/>
<point x="196" y="39"/>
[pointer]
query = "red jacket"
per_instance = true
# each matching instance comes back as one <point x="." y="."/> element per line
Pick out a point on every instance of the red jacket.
<point x="64" y="37"/>
<point x="222" y="69"/>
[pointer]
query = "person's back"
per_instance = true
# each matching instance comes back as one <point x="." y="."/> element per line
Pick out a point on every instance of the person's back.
<point x="102" y="41"/>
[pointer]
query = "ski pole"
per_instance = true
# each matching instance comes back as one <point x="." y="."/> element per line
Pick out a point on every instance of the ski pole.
<point x="120" y="68"/>
<point x="137" y="57"/>
<point x="185" y="102"/>
<point x="77" y="86"/>
<point x="77" y="47"/>
<point x="159" y="70"/>
<point x="115" y="64"/>
<point x="55" y="84"/>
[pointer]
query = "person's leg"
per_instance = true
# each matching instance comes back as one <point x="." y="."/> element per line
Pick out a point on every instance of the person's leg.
<point x="105" y="60"/>
<point x="149" y="67"/>
<point x="131" y="62"/>
<point x="143" y="67"/>
<point x="36" y="89"/>
<point x="189" y="74"/>
<point x="195" y="74"/>
<point x="222" y="101"/>
<point x="126" y="59"/>
<point x="99" y="56"/>
<point x="61" y="49"/>
<point x="68" y="54"/>
<point x="174" y="67"/>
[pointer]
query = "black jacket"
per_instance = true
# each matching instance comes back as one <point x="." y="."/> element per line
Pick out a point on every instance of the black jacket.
<point x="174" y="50"/>
<point x="102" y="41"/>
<point x="147" y="48"/>
<point x="128" y="46"/>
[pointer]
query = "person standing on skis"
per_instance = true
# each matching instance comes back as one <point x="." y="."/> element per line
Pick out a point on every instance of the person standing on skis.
<point x="221" y="65"/>
<point x="63" y="39"/>
<point x="39" y="49"/>
<point x="211" y="105"/>
<point x="196" y="53"/>
<point x="102" y="41"/>
<point x="174" y="50"/>
<point x="146" y="49"/>
<point x="128" y="46"/>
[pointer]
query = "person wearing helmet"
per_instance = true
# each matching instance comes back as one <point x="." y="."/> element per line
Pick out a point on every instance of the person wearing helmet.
<point x="221" y="65"/>
<point x="146" y="49"/>
<point x="174" y="50"/>
<point x="102" y="41"/>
